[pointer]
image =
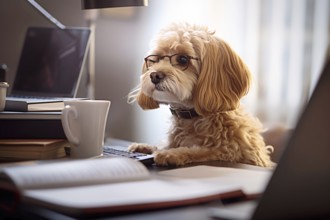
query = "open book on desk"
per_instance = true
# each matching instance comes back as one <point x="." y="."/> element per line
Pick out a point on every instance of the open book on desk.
<point x="120" y="185"/>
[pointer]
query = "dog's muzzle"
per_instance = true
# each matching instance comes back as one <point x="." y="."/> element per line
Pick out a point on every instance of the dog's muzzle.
<point x="156" y="77"/>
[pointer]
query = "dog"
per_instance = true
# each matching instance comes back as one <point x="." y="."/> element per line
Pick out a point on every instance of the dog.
<point x="202" y="80"/>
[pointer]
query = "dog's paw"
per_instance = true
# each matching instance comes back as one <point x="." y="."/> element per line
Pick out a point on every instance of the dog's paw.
<point x="142" y="148"/>
<point x="170" y="158"/>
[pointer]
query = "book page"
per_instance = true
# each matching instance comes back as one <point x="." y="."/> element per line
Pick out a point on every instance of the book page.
<point x="76" y="172"/>
<point x="129" y="196"/>
<point x="53" y="106"/>
<point x="31" y="142"/>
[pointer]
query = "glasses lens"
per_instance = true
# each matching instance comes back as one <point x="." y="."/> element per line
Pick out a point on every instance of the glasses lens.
<point x="151" y="60"/>
<point x="180" y="61"/>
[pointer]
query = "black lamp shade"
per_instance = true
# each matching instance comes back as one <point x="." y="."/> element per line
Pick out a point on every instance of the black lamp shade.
<point x="95" y="4"/>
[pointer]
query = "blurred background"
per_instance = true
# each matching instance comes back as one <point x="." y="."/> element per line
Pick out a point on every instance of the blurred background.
<point x="284" y="43"/>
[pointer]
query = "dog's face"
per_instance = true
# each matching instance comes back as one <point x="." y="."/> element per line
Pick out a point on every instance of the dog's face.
<point x="188" y="67"/>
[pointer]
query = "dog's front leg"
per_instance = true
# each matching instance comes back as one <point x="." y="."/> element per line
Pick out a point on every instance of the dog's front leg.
<point x="180" y="156"/>
<point x="142" y="148"/>
<point x="163" y="156"/>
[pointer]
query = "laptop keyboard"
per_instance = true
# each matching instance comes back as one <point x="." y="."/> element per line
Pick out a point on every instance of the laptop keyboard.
<point x="119" y="151"/>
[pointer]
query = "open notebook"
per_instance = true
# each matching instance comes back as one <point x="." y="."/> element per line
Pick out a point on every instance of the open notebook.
<point x="50" y="67"/>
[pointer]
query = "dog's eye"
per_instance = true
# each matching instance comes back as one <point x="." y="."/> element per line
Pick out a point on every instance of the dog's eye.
<point x="182" y="60"/>
<point x="150" y="60"/>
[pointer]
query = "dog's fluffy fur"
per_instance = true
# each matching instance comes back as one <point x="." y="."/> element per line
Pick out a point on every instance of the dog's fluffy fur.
<point x="213" y="86"/>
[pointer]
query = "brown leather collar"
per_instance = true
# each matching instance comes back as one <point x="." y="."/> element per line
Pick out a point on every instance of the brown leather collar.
<point x="184" y="113"/>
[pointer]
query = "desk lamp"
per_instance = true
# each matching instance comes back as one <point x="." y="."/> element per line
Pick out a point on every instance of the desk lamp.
<point x="98" y="4"/>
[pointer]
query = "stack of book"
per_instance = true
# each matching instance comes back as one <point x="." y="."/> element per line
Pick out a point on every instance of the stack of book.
<point x="31" y="136"/>
<point x="32" y="149"/>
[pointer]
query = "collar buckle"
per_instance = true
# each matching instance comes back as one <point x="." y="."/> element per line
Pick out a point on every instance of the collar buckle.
<point x="186" y="113"/>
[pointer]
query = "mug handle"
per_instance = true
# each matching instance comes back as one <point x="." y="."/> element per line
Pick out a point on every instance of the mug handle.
<point x="66" y="112"/>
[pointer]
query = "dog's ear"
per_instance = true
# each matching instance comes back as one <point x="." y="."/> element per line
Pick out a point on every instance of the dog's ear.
<point x="224" y="79"/>
<point x="146" y="102"/>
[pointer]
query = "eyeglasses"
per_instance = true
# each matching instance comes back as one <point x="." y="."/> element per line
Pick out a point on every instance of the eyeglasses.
<point x="179" y="61"/>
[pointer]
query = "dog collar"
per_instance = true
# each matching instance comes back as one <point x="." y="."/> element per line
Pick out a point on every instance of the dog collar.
<point x="186" y="113"/>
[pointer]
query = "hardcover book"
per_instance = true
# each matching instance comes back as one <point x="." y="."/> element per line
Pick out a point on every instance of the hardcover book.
<point x="31" y="125"/>
<point x="32" y="149"/>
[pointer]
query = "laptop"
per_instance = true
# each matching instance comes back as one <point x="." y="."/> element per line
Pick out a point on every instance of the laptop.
<point x="300" y="185"/>
<point x="51" y="64"/>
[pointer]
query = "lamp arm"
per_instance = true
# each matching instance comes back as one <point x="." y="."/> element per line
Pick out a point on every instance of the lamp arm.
<point x="46" y="14"/>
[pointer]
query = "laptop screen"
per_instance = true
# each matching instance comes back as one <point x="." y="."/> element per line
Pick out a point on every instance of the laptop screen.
<point x="51" y="62"/>
<point x="299" y="187"/>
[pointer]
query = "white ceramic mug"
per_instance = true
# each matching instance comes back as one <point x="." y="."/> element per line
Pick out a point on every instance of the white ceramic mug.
<point x="84" y="123"/>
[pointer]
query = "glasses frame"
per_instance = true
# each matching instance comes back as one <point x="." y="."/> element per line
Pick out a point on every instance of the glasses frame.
<point x="146" y="60"/>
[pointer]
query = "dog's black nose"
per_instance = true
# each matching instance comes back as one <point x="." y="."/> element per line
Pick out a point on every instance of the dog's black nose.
<point x="156" y="77"/>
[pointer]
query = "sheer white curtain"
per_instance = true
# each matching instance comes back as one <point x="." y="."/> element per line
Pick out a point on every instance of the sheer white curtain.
<point x="288" y="57"/>
<point x="284" y="42"/>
